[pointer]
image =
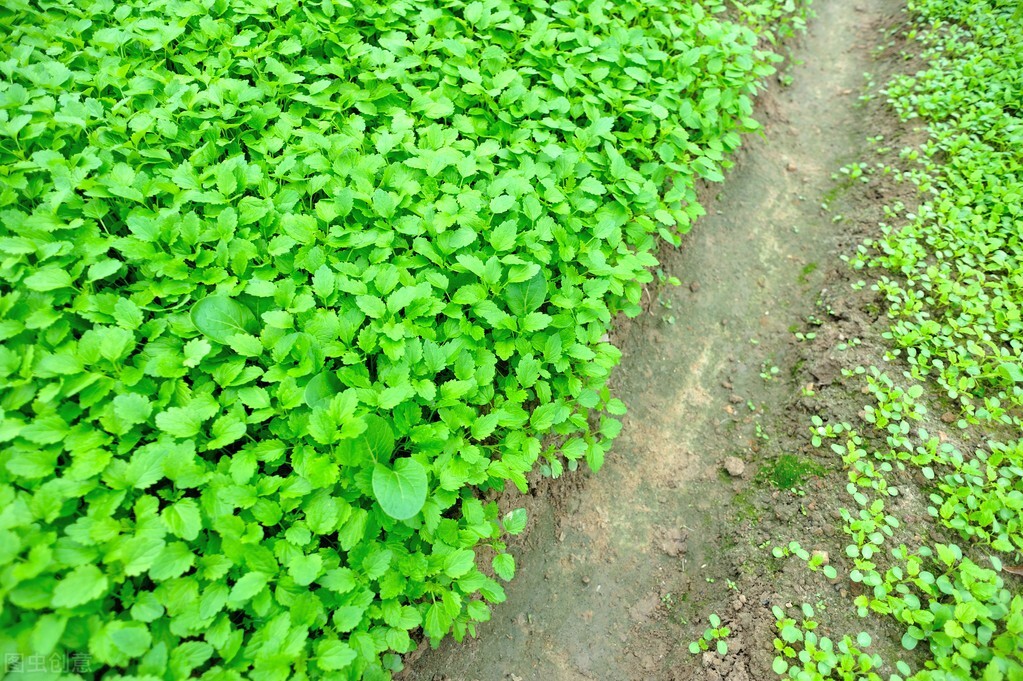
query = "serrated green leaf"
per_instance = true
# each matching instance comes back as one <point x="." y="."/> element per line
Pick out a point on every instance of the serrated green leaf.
<point x="132" y="408"/>
<point x="525" y="297"/>
<point x="182" y="518"/>
<point x="371" y="306"/>
<point x="182" y="422"/>
<point x="195" y="350"/>
<point x="502" y="203"/>
<point x="48" y="279"/>
<point x="104" y="269"/>
<point x="83" y="584"/>
<point x="304" y="569"/>
<point x="321" y="389"/>
<point x="334" y="655"/>
<point x="515" y="521"/>
<point x="132" y="640"/>
<point x="459" y="562"/>
<point x="245" y="345"/>
<point x="504" y="566"/>
<point x="246" y="587"/>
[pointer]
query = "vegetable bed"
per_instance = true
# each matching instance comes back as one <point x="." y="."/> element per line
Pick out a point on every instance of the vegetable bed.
<point x="290" y="287"/>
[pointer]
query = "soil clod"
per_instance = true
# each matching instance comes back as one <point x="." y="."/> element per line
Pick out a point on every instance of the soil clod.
<point x="735" y="466"/>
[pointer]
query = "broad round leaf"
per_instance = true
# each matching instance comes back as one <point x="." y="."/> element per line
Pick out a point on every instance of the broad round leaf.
<point x="321" y="389"/>
<point x="401" y="490"/>
<point x="219" y="318"/>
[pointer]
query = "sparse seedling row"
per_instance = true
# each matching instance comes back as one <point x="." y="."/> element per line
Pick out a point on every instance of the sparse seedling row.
<point x="949" y="273"/>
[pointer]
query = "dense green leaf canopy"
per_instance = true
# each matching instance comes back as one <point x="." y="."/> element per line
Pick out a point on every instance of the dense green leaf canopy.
<point x="238" y="236"/>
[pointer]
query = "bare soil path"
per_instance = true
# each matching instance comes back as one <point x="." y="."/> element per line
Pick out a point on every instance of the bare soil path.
<point x="621" y="569"/>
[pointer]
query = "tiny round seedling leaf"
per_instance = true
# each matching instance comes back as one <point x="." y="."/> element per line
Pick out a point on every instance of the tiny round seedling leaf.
<point x="401" y="489"/>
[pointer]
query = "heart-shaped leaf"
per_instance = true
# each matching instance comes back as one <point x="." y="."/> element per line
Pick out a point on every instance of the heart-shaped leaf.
<point x="401" y="489"/>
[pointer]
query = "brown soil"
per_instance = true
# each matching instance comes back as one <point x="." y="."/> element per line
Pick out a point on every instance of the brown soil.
<point x="621" y="570"/>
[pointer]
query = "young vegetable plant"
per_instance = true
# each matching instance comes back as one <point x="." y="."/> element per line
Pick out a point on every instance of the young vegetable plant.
<point x="716" y="634"/>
